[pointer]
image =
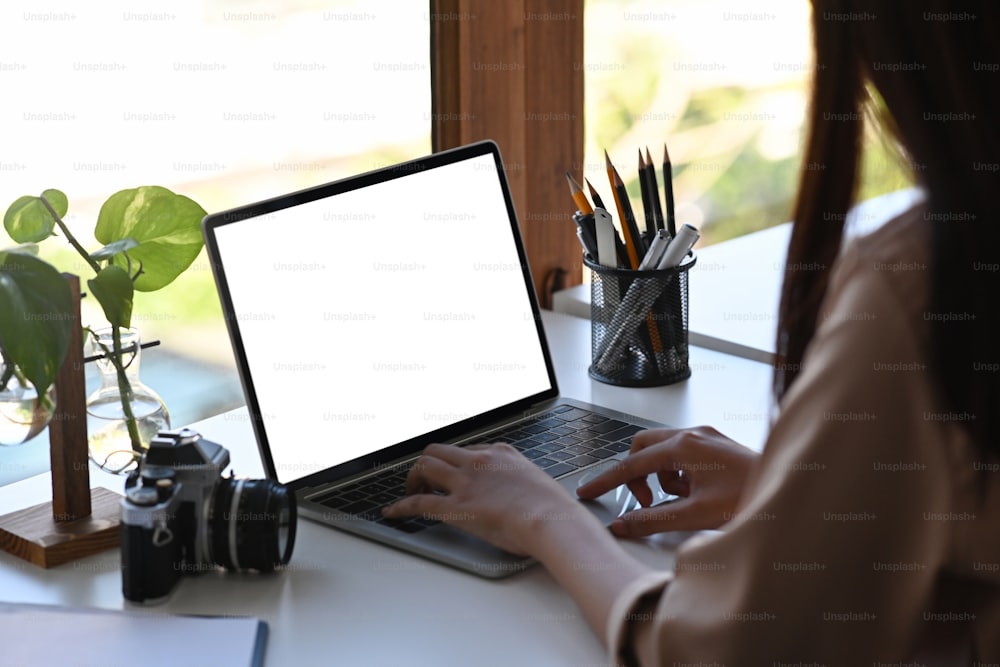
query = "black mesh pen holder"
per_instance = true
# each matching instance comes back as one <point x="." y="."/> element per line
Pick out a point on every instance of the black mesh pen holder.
<point x="639" y="325"/>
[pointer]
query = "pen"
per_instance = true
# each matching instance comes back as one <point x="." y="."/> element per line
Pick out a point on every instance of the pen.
<point x="577" y="192"/>
<point x="656" y="249"/>
<point x="679" y="247"/>
<point x="674" y="251"/>
<point x="626" y="218"/>
<point x="654" y="192"/>
<point x="632" y="309"/>
<point x="583" y="244"/>
<point x="668" y="188"/>
<point x="585" y="231"/>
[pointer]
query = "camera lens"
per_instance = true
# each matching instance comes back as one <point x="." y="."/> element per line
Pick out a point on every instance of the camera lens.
<point x="252" y="524"/>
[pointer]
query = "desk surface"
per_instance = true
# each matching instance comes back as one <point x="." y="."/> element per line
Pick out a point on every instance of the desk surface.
<point x="344" y="600"/>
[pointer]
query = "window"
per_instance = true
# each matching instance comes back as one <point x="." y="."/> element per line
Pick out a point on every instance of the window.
<point x="225" y="101"/>
<point x="725" y="84"/>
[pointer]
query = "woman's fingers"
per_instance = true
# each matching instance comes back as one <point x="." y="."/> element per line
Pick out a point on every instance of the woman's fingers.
<point x="632" y="471"/>
<point x="674" y="483"/>
<point x="680" y="514"/>
<point x="421" y="504"/>
<point x="488" y="491"/>
<point x="435" y="470"/>
<point x="653" y="436"/>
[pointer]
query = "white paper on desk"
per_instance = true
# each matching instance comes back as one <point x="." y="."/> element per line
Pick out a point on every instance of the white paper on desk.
<point x="39" y="635"/>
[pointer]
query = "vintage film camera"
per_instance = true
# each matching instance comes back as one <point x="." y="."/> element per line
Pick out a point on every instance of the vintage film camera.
<point x="180" y="515"/>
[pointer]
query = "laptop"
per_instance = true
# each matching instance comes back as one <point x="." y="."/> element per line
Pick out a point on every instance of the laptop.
<point x="375" y="315"/>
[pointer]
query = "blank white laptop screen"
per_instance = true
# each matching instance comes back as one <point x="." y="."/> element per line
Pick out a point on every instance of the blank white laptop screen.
<point x="380" y="314"/>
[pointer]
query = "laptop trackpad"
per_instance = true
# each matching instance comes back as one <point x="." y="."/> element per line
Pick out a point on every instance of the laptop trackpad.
<point x="615" y="502"/>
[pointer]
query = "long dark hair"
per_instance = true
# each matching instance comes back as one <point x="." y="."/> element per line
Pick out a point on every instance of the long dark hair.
<point x="935" y="69"/>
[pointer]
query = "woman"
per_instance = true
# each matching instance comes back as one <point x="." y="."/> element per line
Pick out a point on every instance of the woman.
<point x="868" y="531"/>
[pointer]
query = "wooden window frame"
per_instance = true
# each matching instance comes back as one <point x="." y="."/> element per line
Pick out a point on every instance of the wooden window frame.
<point x="512" y="71"/>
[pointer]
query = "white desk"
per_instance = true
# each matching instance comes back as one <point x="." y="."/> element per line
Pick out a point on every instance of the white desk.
<point x="346" y="601"/>
<point x="735" y="287"/>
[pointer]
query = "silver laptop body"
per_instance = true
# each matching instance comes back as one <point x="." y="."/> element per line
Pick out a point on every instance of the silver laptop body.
<point x="377" y="314"/>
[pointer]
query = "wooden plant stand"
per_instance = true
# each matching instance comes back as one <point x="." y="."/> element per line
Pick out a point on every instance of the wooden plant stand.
<point x="79" y="521"/>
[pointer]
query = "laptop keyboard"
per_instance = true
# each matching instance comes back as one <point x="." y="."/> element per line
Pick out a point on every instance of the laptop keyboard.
<point x="560" y="441"/>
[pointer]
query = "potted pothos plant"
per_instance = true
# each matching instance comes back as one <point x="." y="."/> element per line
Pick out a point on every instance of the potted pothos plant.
<point x="35" y="303"/>
<point x="150" y="235"/>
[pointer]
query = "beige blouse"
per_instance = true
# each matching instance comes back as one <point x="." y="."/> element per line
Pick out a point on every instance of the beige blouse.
<point x="870" y="531"/>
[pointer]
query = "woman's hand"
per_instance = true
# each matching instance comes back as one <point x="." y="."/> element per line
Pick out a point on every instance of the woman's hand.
<point x="491" y="491"/>
<point x="702" y="466"/>
<point x="494" y="492"/>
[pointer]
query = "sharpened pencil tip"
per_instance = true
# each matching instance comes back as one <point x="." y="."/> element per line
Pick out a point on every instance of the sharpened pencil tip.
<point x="574" y="187"/>
<point x="666" y="153"/>
<point x="642" y="162"/>
<point x="649" y="158"/>
<point x="607" y="159"/>
<point x="616" y="178"/>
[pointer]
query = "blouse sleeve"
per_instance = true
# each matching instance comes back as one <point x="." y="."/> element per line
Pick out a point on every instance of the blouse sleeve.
<point x="835" y="549"/>
<point x="628" y="611"/>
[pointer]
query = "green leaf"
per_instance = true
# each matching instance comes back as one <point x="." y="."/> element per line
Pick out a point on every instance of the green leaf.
<point x="112" y="249"/>
<point x="167" y="227"/>
<point x="24" y="249"/>
<point x="36" y="316"/>
<point x="57" y="200"/>
<point x="112" y="288"/>
<point x="28" y="221"/>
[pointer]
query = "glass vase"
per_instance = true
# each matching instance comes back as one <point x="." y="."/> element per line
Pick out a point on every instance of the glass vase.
<point x="23" y="415"/>
<point x="111" y="442"/>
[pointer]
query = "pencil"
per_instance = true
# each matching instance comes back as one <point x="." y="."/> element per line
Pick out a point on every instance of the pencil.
<point x="636" y="249"/>
<point x="593" y="194"/>
<point x="625" y="216"/>
<point x="577" y="192"/>
<point x="654" y="190"/>
<point x="647" y="205"/>
<point x="676" y="308"/>
<point x="668" y="188"/>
